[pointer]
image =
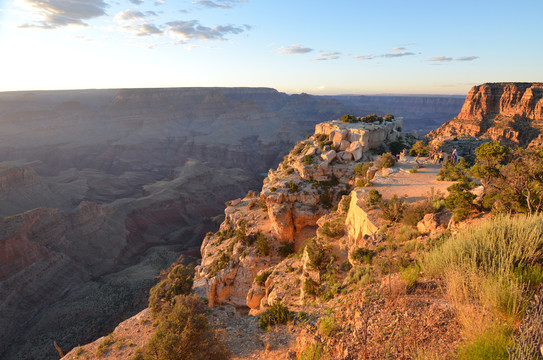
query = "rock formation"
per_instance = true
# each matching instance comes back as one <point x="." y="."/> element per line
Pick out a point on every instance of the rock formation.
<point x="511" y="113"/>
<point x="312" y="178"/>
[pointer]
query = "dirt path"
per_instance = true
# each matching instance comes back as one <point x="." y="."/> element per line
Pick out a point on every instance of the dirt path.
<point x="415" y="185"/>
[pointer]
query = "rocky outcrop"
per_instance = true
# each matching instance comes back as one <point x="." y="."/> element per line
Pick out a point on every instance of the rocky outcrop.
<point x="293" y="202"/>
<point x="508" y="112"/>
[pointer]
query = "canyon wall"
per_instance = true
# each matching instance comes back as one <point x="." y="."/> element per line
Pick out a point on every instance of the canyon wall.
<point x="508" y="112"/>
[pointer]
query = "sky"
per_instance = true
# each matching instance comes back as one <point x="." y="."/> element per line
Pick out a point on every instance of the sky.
<point x="294" y="46"/>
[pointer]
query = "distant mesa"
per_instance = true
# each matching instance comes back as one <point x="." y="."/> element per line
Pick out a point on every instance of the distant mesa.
<point x="511" y="113"/>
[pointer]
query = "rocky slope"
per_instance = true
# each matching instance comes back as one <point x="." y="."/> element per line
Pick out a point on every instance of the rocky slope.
<point x="508" y="112"/>
<point x="299" y="242"/>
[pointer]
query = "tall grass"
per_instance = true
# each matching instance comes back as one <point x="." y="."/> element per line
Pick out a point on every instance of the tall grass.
<point x="489" y="272"/>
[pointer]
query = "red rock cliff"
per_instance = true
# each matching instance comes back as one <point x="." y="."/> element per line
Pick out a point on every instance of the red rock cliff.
<point x="507" y="112"/>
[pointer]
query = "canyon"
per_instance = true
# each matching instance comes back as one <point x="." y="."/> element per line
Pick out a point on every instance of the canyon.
<point x="102" y="189"/>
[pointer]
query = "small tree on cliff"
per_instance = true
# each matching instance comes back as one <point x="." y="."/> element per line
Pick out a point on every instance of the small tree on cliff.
<point x="490" y="158"/>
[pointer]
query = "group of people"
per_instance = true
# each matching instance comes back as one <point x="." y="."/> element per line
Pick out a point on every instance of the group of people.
<point x="441" y="157"/>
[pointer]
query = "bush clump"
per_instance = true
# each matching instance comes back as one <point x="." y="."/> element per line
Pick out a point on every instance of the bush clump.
<point x="385" y="160"/>
<point x="262" y="245"/>
<point x="286" y="249"/>
<point x="318" y="254"/>
<point x="276" y="314"/>
<point x="261" y="278"/>
<point x="183" y="332"/>
<point x="179" y="281"/>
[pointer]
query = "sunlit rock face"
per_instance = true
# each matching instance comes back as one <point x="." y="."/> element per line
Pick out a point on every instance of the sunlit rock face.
<point x="511" y="113"/>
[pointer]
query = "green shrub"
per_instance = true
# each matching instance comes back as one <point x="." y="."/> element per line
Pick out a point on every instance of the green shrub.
<point x="419" y="149"/>
<point x="105" y="344"/>
<point x="307" y="160"/>
<point x="261" y="278"/>
<point x="286" y="249"/>
<point x="362" y="169"/>
<point x="374" y="197"/>
<point x="490" y="344"/>
<point x="276" y="314"/>
<point x="262" y="245"/>
<point x="318" y="254"/>
<point x="453" y="172"/>
<point x="362" y="255"/>
<point x="386" y="160"/>
<point x="262" y="205"/>
<point x="314" y="352"/>
<point x="348" y="118"/>
<point x="360" y="275"/>
<point x="292" y="187"/>
<point x="327" y="326"/>
<point x="333" y="230"/>
<point x="460" y="200"/>
<point x="179" y="281"/>
<point x="184" y="333"/>
<point x="310" y="287"/>
<point x="394" y="209"/>
<point x="410" y="275"/>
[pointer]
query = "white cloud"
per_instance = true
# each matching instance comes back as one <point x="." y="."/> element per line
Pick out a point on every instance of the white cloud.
<point x="467" y="58"/>
<point x="441" y="59"/>
<point x="58" y="13"/>
<point x="364" y="57"/>
<point x="400" y="54"/>
<point x="328" y="55"/>
<point x="136" y="2"/>
<point x="223" y="4"/>
<point x="295" y="49"/>
<point x="192" y="30"/>
<point x="129" y="15"/>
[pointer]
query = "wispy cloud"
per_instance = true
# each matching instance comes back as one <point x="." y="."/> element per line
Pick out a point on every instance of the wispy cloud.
<point x="223" y="4"/>
<point x="395" y="55"/>
<point x="136" y="2"/>
<point x="441" y="59"/>
<point x="328" y="55"/>
<point x="143" y="30"/>
<point x="399" y="48"/>
<point x="295" y="49"/>
<point x="58" y="13"/>
<point x="364" y="57"/>
<point x="467" y="58"/>
<point x="192" y="30"/>
<point x="129" y="15"/>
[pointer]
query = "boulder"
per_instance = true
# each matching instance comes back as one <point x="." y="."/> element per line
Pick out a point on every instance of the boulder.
<point x="329" y="156"/>
<point x="344" y="145"/>
<point x="431" y="222"/>
<point x="344" y="155"/>
<point x="254" y="296"/>
<point x="339" y="136"/>
<point x="311" y="151"/>
<point x="356" y="150"/>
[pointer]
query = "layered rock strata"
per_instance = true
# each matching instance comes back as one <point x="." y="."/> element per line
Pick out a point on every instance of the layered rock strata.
<point x="511" y="113"/>
<point x="313" y="178"/>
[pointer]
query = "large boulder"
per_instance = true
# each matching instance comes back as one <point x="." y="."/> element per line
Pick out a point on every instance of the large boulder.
<point x="356" y="150"/>
<point x="329" y="156"/>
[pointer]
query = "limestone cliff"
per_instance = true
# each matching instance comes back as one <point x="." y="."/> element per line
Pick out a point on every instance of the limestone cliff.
<point x="259" y="232"/>
<point x="508" y="112"/>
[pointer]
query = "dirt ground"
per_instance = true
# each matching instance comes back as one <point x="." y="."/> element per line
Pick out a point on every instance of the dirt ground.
<point x="415" y="185"/>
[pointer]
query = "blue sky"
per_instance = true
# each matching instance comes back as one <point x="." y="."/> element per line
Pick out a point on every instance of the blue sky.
<point x="318" y="47"/>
